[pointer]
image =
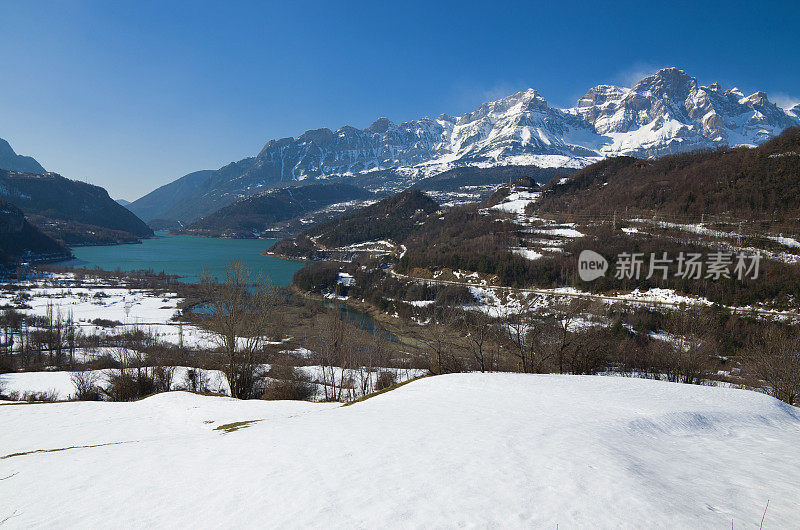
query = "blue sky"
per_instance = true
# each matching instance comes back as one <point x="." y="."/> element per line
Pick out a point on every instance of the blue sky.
<point x="131" y="95"/>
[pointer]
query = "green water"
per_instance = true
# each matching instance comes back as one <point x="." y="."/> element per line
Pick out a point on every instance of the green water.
<point x="187" y="257"/>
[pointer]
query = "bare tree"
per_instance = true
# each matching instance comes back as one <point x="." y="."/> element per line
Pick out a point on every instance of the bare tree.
<point x="369" y="354"/>
<point x="195" y="380"/>
<point x="687" y="360"/>
<point x="329" y="342"/>
<point x="480" y="332"/>
<point x="241" y="315"/>
<point x="773" y="355"/>
<point x="438" y="336"/>
<point x="163" y="369"/>
<point x="563" y="335"/>
<point x="86" y="385"/>
<point x="71" y="337"/>
<point x="524" y="329"/>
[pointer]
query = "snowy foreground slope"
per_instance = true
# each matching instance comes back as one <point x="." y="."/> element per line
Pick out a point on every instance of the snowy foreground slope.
<point x="497" y="450"/>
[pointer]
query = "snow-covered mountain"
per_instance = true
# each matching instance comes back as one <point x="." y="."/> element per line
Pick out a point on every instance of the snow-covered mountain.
<point x="670" y="112"/>
<point x="667" y="112"/>
<point x="663" y="113"/>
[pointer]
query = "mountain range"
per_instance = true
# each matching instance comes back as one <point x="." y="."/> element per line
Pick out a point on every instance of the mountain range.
<point x="41" y="213"/>
<point x="664" y="113"/>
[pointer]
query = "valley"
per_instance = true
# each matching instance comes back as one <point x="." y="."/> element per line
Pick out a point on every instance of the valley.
<point x="529" y="314"/>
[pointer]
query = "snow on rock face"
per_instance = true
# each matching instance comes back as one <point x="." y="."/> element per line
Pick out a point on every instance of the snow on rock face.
<point x="669" y="112"/>
<point x="481" y="450"/>
<point x="663" y="113"/>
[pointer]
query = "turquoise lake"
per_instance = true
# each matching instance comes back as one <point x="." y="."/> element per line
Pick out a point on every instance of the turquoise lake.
<point x="188" y="257"/>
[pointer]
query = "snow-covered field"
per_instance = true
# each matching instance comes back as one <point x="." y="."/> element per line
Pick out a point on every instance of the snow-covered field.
<point x="476" y="450"/>
<point x="132" y="308"/>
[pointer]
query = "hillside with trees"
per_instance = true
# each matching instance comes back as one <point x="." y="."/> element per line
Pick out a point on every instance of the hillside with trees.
<point x="250" y="216"/>
<point x="21" y="241"/>
<point x="745" y="183"/>
<point x="71" y="210"/>
<point x="459" y="177"/>
<point x="392" y="218"/>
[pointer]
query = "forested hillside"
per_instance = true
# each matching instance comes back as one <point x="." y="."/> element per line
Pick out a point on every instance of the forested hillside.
<point x="760" y="183"/>
<point x="74" y="211"/>
<point x="20" y="240"/>
<point x="248" y="217"/>
<point x="392" y="218"/>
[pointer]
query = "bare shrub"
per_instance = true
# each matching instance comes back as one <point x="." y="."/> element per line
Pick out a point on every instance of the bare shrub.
<point x="133" y="379"/>
<point x="163" y="376"/>
<point x="687" y="359"/>
<point x="385" y="379"/>
<point x="438" y="337"/>
<point x="773" y="355"/>
<point x="330" y="342"/>
<point x="130" y="386"/>
<point x="86" y="387"/>
<point x="480" y="333"/>
<point x="288" y="383"/>
<point x="47" y="396"/>
<point x="589" y="353"/>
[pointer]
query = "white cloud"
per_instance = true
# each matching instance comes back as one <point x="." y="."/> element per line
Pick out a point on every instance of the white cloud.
<point x="468" y="98"/>
<point x="784" y="100"/>
<point x="635" y="73"/>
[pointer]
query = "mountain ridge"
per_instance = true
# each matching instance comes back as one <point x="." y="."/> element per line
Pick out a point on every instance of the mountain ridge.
<point x="72" y="211"/>
<point x="664" y="113"/>
<point x="10" y="160"/>
<point x="250" y="216"/>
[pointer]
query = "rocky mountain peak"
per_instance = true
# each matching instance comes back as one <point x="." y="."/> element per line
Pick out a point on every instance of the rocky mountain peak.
<point x="381" y="125"/>
<point x="670" y="82"/>
<point x="758" y="99"/>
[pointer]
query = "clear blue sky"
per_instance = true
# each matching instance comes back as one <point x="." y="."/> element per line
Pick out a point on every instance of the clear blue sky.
<point x="131" y="95"/>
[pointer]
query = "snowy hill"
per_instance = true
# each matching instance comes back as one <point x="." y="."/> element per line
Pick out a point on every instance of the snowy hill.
<point x="667" y="112"/>
<point x="487" y="450"/>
